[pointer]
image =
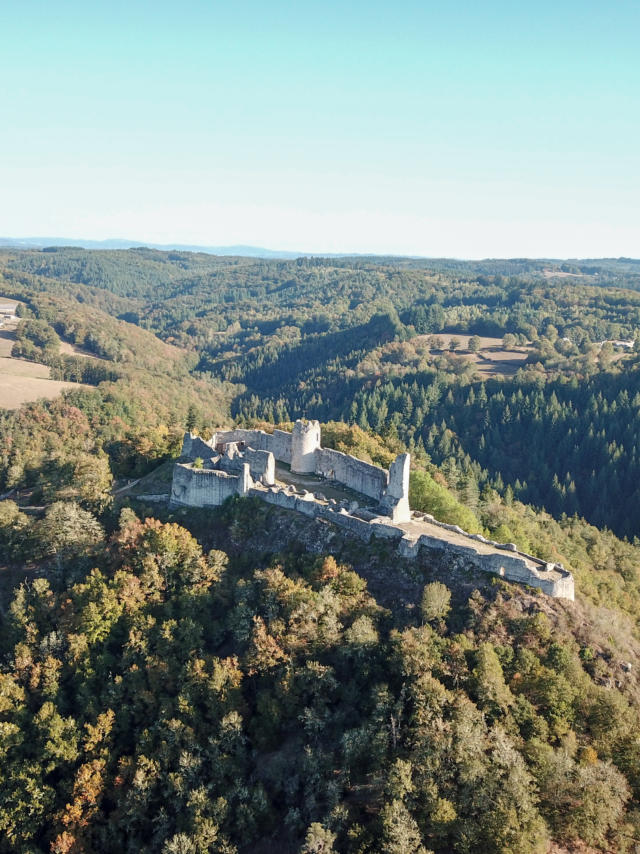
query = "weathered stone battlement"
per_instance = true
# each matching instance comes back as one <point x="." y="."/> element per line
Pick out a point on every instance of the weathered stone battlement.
<point x="242" y="462"/>
<point x="207" y="487"/>
<point x="301" y="449"/>
<point x="424" y="534"/>
<point x="358" y="475"/>
<point x="278" y="443"/>
<point x="261" y="463"/>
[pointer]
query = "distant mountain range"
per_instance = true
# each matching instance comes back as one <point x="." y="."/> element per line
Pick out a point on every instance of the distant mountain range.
<point x="246" y="251"/>
<point x="281" y="254"/>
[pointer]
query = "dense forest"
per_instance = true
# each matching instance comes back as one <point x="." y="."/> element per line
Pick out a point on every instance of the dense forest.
<point x="239" y="680"/>
<point x="206" y="681"/>
<point x="359" y="340"/>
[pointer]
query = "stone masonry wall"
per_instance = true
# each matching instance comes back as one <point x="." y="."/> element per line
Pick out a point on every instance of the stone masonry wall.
<point x="203" y="487"/>
<point x="504" y="563"/>
<point x="193" y="446"/>
<point x="356" y="474"/>
<point x="305" y="443"/>
<point x="281" y="498"/>
<point x="261" y="464"/>
<point x="207" y="487"/>
<point x="278" y="442"/>
<point x="510" y="566"/>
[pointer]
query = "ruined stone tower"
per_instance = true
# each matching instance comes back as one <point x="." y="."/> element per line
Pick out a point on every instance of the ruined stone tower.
<point x="396" y="498"/>
<point x="305" y="441"/>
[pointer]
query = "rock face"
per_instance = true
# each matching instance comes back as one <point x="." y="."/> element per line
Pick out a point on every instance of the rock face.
<point x="242" y="462"/>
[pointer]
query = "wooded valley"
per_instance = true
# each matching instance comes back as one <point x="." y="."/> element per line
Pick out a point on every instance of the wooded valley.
<point x="233" y="680"/>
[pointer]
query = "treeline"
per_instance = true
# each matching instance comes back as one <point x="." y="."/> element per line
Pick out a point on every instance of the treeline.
<point x="567" y="444"/>
<point x="347" y="339"/>
<point x="570" y="446"/>
<point x="37" y="341"/>
<point x="192" y="298"/>
<point x="158" y="697"/>
<point x="273" y="366"/>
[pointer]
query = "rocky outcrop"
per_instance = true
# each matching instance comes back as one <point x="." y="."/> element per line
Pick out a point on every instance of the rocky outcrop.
<point x="431" y="536"/>
<point x="241" y="462"/>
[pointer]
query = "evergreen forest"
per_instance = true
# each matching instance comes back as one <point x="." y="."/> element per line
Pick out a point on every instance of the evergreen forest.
<point x="240" y="680"/>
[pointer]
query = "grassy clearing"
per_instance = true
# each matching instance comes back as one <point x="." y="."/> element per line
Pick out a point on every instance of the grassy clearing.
<point x="22" y="368"/>
<point x="503" y="363"/>
<point x="17" y="388"/>
<point x="7" y="340"/>
<point x="22" y="381"/>
<point x="486" y="342"/>
<point x="156" y="482"/>
<point x="491" y="360"/>
<point x="67" y="349"/>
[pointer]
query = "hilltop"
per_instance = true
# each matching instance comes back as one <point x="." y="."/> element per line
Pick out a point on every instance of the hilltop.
<point x="244" y="679"/>
<point x="447" y="355"/>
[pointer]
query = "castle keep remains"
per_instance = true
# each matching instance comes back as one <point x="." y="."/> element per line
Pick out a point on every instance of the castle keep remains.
<point x="234" y="461"/>
<point x="293" y="471"/>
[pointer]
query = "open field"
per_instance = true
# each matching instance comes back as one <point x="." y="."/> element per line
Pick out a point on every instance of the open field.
<point x="463" y="340"/>
<point x="7" y="301"/>
<point x="7" y="340"/>
<point x="16" y="390"/>
<point x="559" y="274"/>
<point x="67" y="349"/>
<point x="503" y="363"/>
<point x="492" y="360"/>
<point x="22" y="368"/>
<point x="21" y="382"/>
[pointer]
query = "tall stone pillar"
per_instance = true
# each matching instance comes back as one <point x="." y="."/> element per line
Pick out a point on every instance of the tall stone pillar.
<point x="396" y="498"/>
<point x="244" y="481"/>
<point x="305" y="441"/>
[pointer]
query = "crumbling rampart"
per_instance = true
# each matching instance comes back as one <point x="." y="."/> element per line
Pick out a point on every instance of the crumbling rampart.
<point x="201" y="487"/>
<point x="193" y="447"/>
<point x="261" y="463"/>
<point x="241" y="462"/>
<point x="302" y="451"/>
<point x="362" y="477"/>
<point x="278" y="442"/>
<point x="422" y="536"/>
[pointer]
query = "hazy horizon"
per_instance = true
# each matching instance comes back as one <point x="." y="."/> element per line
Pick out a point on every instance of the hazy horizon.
<point x="115" y="243"/>
<point x="409" y="129"/>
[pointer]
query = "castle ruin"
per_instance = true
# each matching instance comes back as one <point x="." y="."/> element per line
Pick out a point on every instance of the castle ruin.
<point x="293" y="471"/>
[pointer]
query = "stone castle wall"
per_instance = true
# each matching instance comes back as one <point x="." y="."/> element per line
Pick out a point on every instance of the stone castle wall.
<point x="206" y="487"/>
<point x="250" y="472"/>
<point x="193" y="446"/>
<point x="261" y="465"/>
<point x="395" y="501"/>
<point x="362" y="477"/>
<point x="305" y="443"/>
<point x="511" y="565"/>
<point x="301" y="449"/>
<point x="278" y="442"/>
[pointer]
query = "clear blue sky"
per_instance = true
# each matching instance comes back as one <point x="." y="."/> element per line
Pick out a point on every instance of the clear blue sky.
<point x="462" y="128"/>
